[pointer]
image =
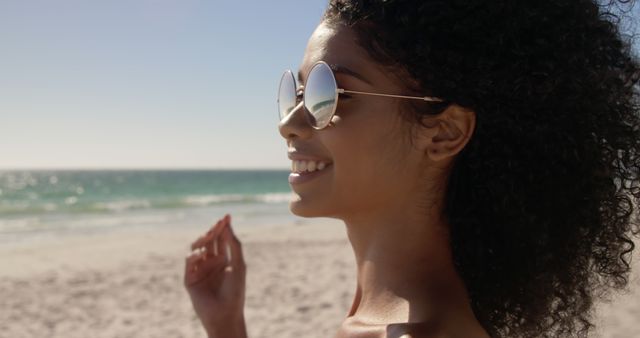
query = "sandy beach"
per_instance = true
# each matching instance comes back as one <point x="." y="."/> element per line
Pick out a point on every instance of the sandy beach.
<point x="129" y="284"/>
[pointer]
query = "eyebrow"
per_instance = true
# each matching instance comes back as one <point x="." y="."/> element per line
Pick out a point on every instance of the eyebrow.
<point x="340" y="69"/>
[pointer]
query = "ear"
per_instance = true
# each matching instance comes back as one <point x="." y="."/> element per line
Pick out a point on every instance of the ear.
<point x="445" y="135"/>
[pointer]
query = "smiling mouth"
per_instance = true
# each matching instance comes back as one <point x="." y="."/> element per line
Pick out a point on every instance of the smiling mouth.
<point x="303" y="167"/>
<point x="305" y="176"/>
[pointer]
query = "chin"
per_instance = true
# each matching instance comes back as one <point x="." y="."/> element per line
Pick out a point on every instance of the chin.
<point x="302" y="208"/>
<point x="298" y="209"/>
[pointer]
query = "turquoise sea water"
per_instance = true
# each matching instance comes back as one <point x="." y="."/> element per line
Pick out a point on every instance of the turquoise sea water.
<point x="32" y="201"/>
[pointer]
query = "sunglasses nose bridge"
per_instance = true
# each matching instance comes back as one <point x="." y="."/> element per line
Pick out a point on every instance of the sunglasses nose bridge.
<point x="299" y="106"/>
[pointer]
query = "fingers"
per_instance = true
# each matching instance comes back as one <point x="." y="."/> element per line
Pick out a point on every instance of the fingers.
<point x="198" y="267"/>
<point x="230" y="239"/>
<point x="212" y="252"/>
<point x="191" y="274"/>
<point x="207" y="239"/>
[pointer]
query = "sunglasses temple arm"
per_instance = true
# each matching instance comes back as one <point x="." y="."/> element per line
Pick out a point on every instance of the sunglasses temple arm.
<point x="424" y="98"/>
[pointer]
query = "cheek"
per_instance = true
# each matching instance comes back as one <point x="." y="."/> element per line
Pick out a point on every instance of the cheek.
<point x="369" y="151"/>
<point x="368" y="160"/>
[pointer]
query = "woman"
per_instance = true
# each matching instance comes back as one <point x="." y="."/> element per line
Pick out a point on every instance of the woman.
<point x="483" y="155"/>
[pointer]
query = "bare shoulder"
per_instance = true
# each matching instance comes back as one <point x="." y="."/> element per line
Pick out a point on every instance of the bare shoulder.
<point x="426" y="330"/>
<point x="351" y="328"/>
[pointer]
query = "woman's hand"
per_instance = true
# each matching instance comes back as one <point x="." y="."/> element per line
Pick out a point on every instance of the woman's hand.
<point x="215" y="281"/>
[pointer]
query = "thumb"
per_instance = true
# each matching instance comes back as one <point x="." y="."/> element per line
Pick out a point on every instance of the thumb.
<point x="237" y="259"/>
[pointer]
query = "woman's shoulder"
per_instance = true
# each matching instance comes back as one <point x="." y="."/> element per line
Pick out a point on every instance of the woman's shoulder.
<point x="353" y="328"/>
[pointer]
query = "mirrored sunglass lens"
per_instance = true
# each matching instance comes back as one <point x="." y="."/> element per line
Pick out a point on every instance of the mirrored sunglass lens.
<point x="286" y="94"/>
<point x="320" y="94"/>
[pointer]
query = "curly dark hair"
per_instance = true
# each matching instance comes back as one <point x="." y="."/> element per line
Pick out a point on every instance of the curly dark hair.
<point x="543" y="200"/>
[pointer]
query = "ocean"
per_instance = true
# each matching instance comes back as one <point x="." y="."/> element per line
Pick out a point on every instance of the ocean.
<point x="38" y="202"/>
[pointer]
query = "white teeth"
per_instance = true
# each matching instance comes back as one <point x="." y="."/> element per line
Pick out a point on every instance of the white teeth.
<point x="304" y="166"/>
<point x="311" y="166"/>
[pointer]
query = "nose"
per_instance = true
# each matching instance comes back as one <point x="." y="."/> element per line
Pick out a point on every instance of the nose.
<point x="296" y="124"/>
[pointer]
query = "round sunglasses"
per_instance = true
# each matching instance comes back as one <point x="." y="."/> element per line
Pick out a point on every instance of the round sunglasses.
<point x="320" y="95"/>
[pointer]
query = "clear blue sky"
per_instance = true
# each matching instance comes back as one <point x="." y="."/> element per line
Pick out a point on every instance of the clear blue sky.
<point x="146" y="83"/>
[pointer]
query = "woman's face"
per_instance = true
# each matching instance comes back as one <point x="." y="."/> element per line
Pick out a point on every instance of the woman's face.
<point x="373" y="167"/>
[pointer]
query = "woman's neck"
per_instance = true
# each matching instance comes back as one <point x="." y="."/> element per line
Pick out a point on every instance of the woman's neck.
<point x="405" y="270"/>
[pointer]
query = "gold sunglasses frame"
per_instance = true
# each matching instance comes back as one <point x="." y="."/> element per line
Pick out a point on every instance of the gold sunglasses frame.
<point x="338" y="91"/>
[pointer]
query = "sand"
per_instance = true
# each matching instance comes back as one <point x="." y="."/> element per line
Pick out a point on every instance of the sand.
<point x="128" y="283"/>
